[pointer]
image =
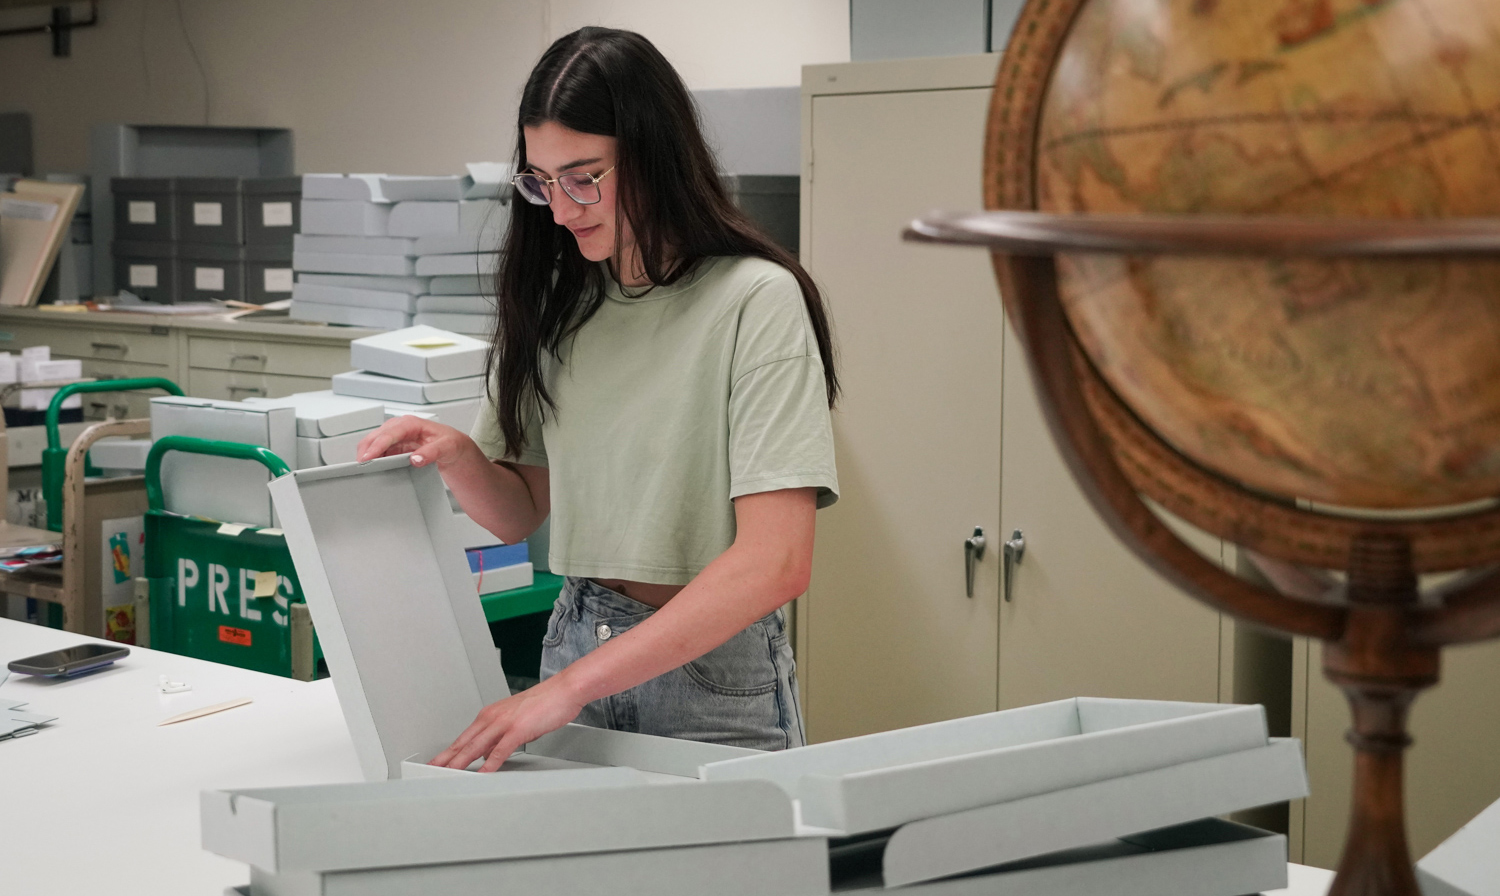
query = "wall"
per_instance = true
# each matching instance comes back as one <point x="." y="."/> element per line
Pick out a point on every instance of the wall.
<point x="371" y="85"/>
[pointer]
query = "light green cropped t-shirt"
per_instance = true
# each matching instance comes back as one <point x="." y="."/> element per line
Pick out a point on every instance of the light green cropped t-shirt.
<point x="670" y="405"/>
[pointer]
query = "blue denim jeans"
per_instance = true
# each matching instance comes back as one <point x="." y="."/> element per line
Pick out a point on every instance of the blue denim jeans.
<point x="742" y="693"/>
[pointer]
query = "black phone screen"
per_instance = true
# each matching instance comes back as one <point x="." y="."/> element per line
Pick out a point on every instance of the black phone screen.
<point x="69" y="659"/>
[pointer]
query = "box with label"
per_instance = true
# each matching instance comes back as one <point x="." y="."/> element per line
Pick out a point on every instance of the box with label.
<point x="363" y="384"/>
<point x="272" y="210"/>
<point x="268" y="274"/>
<point x="332" y="217"/>
<point x="148" y="270"/>
<point x="350" y="315"/>
<point x="222" y="488"/>
<point x="425" y="354"/>
<point x="209" y="210"/>
<point x="208" y="272"/>
<point x="144" y="209"/>
<point x="324" y="414"/>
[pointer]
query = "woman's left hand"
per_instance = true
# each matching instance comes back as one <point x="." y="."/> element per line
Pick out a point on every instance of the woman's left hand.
<point x="505" y="726"/>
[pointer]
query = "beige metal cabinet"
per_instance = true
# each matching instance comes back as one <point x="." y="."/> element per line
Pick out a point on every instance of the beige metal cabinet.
<point x="938" y="433"/>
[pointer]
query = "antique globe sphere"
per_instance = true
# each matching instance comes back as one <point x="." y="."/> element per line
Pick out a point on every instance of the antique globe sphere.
<point x="1366" y="383"/>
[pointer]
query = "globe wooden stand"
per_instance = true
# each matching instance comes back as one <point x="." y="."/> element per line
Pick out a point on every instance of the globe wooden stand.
<point x="1382" y="637"/>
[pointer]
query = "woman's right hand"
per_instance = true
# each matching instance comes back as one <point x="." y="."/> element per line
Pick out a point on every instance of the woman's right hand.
<point x="427" y="442"/>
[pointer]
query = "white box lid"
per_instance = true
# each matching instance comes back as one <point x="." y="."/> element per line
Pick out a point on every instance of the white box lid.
<point x="364" y="384"/>
<point x="394" y="605"/>
<point x="1468" y="863"/>
<point x="394" y="355"/>
<point x="324" y="414"/>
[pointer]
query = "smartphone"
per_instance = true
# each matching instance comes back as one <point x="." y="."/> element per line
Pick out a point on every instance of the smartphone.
<point x="70" y="660"/>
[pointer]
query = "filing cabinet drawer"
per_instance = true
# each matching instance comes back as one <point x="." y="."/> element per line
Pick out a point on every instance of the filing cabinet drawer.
<point x="238" y="386"/>
<point x="140" y="346"/>
<point x="276" y="358"/>
<point x="120" y="405"/>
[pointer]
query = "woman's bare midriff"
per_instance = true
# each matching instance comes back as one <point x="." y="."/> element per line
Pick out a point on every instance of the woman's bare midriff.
<point x="645" y="592"/>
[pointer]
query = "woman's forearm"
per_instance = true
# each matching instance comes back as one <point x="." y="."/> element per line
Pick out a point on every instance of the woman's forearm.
<point x="495" y="495"/>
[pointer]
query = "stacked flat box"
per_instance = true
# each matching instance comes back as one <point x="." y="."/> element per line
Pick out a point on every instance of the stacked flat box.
<point x="458" y="322"/>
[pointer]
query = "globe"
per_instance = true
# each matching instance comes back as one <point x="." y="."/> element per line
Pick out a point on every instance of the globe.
<point x="1367" y="383"/>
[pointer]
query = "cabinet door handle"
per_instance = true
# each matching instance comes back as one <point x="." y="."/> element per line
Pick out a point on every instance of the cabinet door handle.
<point x="248" y="390"/>
<point x="1015" y="549"/>
<point x="259" y="359"/>
<point x="119" y="347"/>
<point x="973" y="553"/>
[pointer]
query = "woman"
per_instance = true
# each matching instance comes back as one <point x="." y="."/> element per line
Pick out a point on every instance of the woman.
<point x="661" y="382"/>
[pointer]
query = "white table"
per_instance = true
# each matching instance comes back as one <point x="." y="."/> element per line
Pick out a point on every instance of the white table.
<point x="105" y="801"/>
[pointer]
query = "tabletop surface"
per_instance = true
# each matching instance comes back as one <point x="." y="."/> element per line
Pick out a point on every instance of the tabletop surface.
<point x="104" y="800"/>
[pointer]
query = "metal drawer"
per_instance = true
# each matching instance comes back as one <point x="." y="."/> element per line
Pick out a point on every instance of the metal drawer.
<point x="274" y="358"/>
<point x="91" y="342"/>
<point x="238" y="386"/>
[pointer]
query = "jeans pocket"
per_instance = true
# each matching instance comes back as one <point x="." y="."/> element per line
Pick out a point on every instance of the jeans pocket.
<point x="740" y="667"/>
<point x="554" y="634"/>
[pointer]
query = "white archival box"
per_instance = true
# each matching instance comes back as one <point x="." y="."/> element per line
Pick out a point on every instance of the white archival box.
<point x="383" y="283"/>
<point x="474" y="324"/>
<point x="350" y="263"/>
<point x="221" y="488"/>
<point x="479" y="264"/>
<point x="323" y="414"/>
<point x="343" y="186"/>
<point x="405" y="637"/>
<point x="385" y="300"/>
<point x="118" y="453"/>
<point x="458" y="286"/>
<point x="332" y="217"/>
<point x="354" y="245"/>
<point x="363" y="384"/>
<point x="323" y="452"/>
<point x="459" y="414"/>
<point x="1466" y="864"/>
<point x="350" y="315"/>
<point x="393" y="354"/>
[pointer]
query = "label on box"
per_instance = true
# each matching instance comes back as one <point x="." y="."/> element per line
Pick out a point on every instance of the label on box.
<point x="231" y="635"/>
<point x="143" y="275"/>
<point x="141" y="212"/>
<point x="27" y="209"/>
<point x="208" y="214"/>
<point x="208" y="279"/>
<point x="276" y="214"/>
<point x="278" y="280"/>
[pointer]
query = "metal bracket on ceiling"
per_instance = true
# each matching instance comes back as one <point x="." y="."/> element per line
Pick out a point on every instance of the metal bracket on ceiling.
<point x="61" y="27"/>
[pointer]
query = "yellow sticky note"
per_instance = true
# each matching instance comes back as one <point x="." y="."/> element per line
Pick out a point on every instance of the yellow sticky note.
<point x="431" y="342"/>
<point x="265" y="583"/>
<point x="232" y="528"/>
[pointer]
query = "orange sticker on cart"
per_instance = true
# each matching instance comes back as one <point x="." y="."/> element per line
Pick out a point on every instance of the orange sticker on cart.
<point x="231" y="635"/>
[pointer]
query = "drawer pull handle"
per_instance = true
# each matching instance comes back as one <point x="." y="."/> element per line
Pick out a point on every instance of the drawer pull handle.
<point x="119" y="347"/>
<point x="257" y="358"/>
<point x="248" y="390"/>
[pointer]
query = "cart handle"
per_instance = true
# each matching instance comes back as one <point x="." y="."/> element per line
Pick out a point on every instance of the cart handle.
<point x="54" y="410"/>
<point x="187" y="444"/>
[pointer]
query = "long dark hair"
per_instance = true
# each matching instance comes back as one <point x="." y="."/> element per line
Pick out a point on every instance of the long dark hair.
<point x="616" y="84"/>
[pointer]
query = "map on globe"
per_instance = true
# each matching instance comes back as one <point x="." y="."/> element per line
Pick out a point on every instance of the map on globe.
<point x="1359" y="382"/>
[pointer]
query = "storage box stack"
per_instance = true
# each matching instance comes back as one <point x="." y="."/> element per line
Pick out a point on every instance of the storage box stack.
<point x="195" y="239"/>
<point x="329" y="426"/>
<point x="28" y="407"/>
<point x="385" y="251"/>
<point x="418" y="370"/>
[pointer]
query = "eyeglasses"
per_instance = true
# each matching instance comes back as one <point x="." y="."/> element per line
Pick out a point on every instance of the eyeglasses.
<point x="581" y="188"/>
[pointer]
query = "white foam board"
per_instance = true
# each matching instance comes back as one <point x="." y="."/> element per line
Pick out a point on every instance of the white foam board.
<point x="350" y="315"/>
<point x="381" y="282"/>
<point x="452" y="355"/>
<point x="479" y="264"/>
<point x="323" y="414"/>
<point x="362" y="187"/>
<point x="961" y="842"/>
<point x="1203" y="858"/>
<point x="322" y="452"/>
<point x="888" y="779"/>
<point x="382" y="300"/>
<point x="331" y="217"/>
<point x="457" y="414"/>
<point x="363" y="384"/>
<point x="455" y="285"/>
<point x="354" y="245"/>
<point x="348" y="263"/>
<point x="120" y="453"/>
<point x="796" y="867"/>
<point x="221" y="488"/>
<point x="476" y="304"/>
<point x="468" y="324"/>
<point x="404" y="637"/>
<point x="1466" y="864"/>
<point x="431" y="821"/>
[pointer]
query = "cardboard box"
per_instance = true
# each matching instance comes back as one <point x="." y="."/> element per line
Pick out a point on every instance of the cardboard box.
<point x="324" y="414"/>
<point x="148" y="270"/>
<point x="476" y="264"/>
<point x="209" y="272"/>
<point x="363" y="384"/>
<point x="424" y="354"/>
<point x="221" y="488"/>
<point x="1466" y="864"/>
<point x="344" y="218"/>
<point x="468" y="324"/>
<point x="268" y="274"/>
<point x="335" y="263"/>
<point x="1203" y="858"/>
<point x="116" y="453"/>
<point x="480" y="304"/>
<point x="460" y="286"/>
<point x="457" y="414"/>
<point x="273" y="211"/>
<point x="329" y="450"/>
<point x="144" y="210"/>
<point x="354" y="245"/>
<point x="349" y="187"/>
<point x="350" y="315"/>
<point x="364" y="298"/>
<point x="209" y="210"/>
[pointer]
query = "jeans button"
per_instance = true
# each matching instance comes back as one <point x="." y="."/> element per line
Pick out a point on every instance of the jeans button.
<point x="603" y="631"/>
